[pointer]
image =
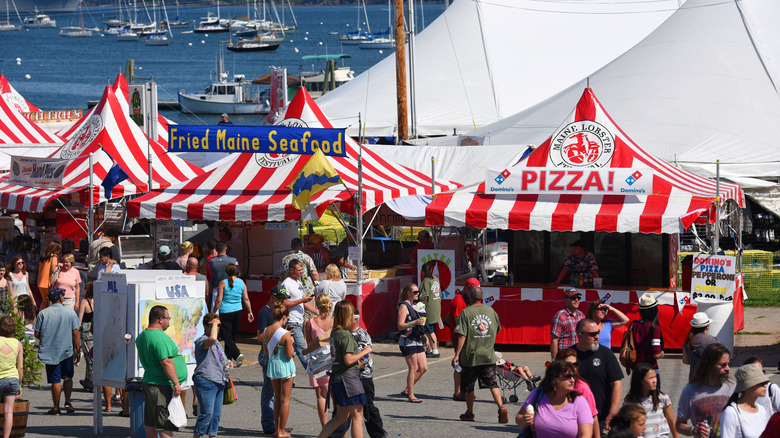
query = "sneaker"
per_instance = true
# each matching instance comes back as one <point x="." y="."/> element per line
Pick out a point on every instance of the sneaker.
<point x="459" y="397"/>
<point x="69" y="408"/>
<point x="87" y="385"/>
<point x="240" y="360"/>
<point x="503" y="415"/>
<point x="53" y="411"/>
<point x="467" y="417"/>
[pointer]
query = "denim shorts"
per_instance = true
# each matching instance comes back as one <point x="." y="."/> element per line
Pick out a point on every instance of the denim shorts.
<point x="9" y="387"/>
<point x="59" y="372"/>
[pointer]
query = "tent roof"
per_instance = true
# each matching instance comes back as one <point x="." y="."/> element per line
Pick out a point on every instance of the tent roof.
<point x="16" y="129"/>
<point x="7" y="90"/>
<point x="481" y="61"/>
<point x="111" y="136"/>
<point x="252" y="187"/>
<point x="678" y="199"/>
<point x="704" y="86"/>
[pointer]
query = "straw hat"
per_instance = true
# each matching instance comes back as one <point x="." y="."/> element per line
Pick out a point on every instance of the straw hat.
<point x="700" y="320"/>
<point x="647" y="302"/>
<point x="749" y="376"/>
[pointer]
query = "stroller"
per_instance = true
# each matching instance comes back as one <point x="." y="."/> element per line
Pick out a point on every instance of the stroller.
<point x="509" y="378"/>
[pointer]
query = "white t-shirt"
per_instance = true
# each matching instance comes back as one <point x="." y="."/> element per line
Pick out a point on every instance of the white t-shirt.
<point x="743" y="424"/>
<point x="771" y="401"/>
<point x="293" y="288"/>
<point x="336" y="290"/>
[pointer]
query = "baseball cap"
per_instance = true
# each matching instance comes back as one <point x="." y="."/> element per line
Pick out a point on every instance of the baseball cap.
<point x="571" y="292"/>
<point x="472" y="282"/>
<point x="279" y="292"/>
<point x="56" y="293"/>
<point x="224" y="114"/>
<point x="164" y="250"/>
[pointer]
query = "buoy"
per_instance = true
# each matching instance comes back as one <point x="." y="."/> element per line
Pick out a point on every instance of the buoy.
<point x="306" y="38"/>
<point x="28" y="77"/>
<point x="320" y="42"/>
<point x="202" y="42"/>
<point x="18" y="61"/>
<point x="381" y="51"/>
<point x="140" y="68"/>
<point x="296" y="50"/>
<point x="189" y="44"/>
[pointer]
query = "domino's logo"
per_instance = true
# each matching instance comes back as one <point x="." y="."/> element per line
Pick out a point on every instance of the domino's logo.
<point x="633" y="178"/>
<point x="502" y="177"/>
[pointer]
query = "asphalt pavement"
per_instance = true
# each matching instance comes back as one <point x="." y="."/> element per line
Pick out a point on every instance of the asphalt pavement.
<point x="437" y="416"/>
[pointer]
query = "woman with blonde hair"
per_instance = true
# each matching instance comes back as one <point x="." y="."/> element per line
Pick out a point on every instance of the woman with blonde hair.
<point x="47" y="265"/>
<point x="278" y="348"/>
<point x="69" y="279"/>
<point x="333" y="286"/>
<point x="348" y="393"/>
<point x="312" y="328"/>
<point x="185" y="249"/>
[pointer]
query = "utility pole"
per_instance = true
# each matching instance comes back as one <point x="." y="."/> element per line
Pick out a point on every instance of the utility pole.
<point x="400" y="71"/>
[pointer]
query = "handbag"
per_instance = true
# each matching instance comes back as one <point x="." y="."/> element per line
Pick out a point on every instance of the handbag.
<point x="529" y="432"/>
<point x="55" y="273"/>
<point x="627" y="356"/>
<point x="230" y="395"/>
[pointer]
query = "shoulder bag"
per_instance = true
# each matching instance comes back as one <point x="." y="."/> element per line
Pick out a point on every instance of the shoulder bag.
<point x="529" y="432"/>
<point x="627" y="356"/>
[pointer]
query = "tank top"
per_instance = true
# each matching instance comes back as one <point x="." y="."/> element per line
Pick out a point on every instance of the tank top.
<point x="88" y="316"/>
<point x="20" y="285"/>
<point x="8" y="361"/>
<point x="318" y="257"/>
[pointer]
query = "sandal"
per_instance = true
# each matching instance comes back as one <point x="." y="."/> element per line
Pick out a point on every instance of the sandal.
<point x="414" y="400"/>
<point x="53" y="411"/>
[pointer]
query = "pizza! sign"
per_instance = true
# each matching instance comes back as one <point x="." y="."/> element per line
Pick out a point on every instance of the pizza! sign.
<point x="610" y="181"/>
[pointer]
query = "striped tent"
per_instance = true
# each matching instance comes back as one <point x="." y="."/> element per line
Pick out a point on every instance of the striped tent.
<point x="16" y="129"/>
<point x="252" y="187"/>
<point x="13" y="96"/>
<point x="122" y="91"/>
<point x="679" y="197"/>
<point x="115" y="140"/>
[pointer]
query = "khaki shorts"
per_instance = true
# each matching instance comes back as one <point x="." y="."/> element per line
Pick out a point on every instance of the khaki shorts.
<point x="156" y="413"/>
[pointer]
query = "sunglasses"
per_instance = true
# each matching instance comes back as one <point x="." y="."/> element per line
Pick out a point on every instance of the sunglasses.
<point x="603" y="309"/>
<point x="591" y="334"/>
<point x="574" y="298"/>
<point x="567" y="376"/>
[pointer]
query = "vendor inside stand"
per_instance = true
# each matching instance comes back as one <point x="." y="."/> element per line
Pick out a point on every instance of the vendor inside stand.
<point x="580" y="265"/>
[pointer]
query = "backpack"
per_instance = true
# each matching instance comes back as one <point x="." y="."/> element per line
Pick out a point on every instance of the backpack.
<point x="627" y="356"/>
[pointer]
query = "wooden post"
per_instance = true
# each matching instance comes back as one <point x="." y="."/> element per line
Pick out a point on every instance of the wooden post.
<point x="400" y="71"/>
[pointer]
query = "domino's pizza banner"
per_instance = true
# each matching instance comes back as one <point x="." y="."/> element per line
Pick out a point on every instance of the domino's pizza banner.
<point x="560" y="180"/>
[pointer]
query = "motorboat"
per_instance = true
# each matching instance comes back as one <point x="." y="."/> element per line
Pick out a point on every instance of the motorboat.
<point x="253" y="45"/>
<point x="320" y="82"/>
<point x="354" y="38"/>
<point x="38" y="20"/>
<point x="126" y="35"/>
<point x="235" y="96"/>
<point x="156" y="39"/>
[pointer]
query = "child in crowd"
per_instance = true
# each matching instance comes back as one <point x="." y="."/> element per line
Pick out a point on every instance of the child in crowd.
<point x="657" y="405"/>
<point x="632" y="417"/>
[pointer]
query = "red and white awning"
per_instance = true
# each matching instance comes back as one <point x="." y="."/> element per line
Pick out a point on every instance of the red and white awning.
<point x="112" y="137"/>
<point x="252" y="187"/>
<point x="679" y="197"/>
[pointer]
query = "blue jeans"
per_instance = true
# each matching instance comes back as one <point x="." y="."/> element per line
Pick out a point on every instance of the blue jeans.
<point x="210" y="396"/>
<point x="266" y="398"/>
<point x="299" y="342"/>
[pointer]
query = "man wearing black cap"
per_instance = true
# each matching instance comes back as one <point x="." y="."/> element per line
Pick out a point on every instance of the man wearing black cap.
<point x="58" y="349"/>
<point x="579" y="262"/>
<point x="563" y="333"/>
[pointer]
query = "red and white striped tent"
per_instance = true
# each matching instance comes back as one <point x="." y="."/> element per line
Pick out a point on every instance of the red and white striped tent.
<point x="112" y="137"/>
<point x="252" y="187"/>
<point x="122" y="91"/>
<point x="16" y="129"/>
<point x="679" y="197"/>
<point x="13" y="96"/>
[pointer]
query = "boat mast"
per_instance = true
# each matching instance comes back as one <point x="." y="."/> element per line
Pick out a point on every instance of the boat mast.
<point x="365" y="13"/>
<point x="400" y="71"/>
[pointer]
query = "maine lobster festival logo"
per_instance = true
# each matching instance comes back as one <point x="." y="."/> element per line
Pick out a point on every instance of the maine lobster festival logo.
<point x="481" y="324"/>
<point x="83" y="138"/>
<point x="583" y="143"/>
<point x="273" y="161"/>
<point x="17" y="101"/>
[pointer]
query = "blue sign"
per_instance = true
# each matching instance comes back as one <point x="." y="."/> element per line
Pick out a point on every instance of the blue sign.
<point x="256" y="139"/>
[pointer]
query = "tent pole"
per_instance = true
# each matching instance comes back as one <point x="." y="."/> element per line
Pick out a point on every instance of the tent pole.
<point x="359" y="216"/>
<point x="716" y="236"/>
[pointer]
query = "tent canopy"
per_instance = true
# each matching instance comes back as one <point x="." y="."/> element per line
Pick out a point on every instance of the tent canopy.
<point x="704" y="86"/>
<point x="113" y="139"/>
<point x="252" y="187"/>
<point x="678" y="197"/>
<point x="482" y="61"/>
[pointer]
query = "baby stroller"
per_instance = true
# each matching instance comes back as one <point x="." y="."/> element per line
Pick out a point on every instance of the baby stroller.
<point x="509" y="378"/>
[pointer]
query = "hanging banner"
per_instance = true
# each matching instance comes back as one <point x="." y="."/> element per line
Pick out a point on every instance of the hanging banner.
<point x="610" y="181"/>
<point x="713" y="277"/>
<point x="37" y="172"/>
<point x="444" y="269"/>
<point x="256" y="139"/>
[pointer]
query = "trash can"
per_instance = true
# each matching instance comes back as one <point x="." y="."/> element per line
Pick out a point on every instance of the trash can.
<point x="135" y="391"/>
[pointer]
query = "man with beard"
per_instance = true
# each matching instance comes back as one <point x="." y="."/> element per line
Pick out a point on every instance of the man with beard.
<point x="599" y="367"/>
<point x="703" y="400"/>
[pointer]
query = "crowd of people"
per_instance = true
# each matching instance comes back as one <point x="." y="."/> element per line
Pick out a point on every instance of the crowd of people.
<point x="580" y="393"/>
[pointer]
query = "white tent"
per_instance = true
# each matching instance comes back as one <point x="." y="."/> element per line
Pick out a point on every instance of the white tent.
<point x="702" y="87"/>
<point x="481" y="61"/>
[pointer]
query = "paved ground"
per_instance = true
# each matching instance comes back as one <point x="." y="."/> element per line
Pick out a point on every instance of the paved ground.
<point x="437" y="416"/>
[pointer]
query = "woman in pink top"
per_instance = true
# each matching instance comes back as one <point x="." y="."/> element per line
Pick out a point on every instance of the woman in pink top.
<point x="322" y="323"/>
<point x="581" y="386"/>
<point x="561" y="412"/>
<point x="69" y="279"/>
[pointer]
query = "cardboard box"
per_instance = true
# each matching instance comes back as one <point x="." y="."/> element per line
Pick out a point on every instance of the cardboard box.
<point x="318" y="342"/>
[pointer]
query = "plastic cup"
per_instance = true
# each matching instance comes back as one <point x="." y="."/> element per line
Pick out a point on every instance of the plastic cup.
<point x="424" y="318"/>
<point x="598" y="282"/>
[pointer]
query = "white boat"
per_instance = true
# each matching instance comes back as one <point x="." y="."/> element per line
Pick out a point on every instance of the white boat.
<point x="6" y="25"/>
<point x="354" y="38"/>
<point x="127" y="35"/>
<point x="235" y="96"/>
<point x="157" y="39"/>
<point x="158" y="36"/>
<point x="320" y="82"/>
<point x="38" y="20"/>
<point x="76" y="31"/>
<point x="378" y="43"/>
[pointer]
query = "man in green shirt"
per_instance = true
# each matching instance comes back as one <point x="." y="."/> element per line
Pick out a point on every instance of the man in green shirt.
<point x="164" y="371"/>
<point x="477" y="326"/>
